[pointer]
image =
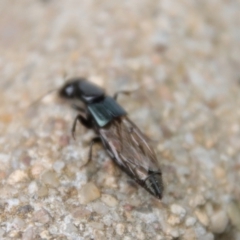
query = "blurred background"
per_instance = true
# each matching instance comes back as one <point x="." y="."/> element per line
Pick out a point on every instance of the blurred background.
<point x="183" y="57"/>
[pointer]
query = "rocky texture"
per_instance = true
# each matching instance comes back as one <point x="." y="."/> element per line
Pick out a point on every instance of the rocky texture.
<point x="182" y="57"/>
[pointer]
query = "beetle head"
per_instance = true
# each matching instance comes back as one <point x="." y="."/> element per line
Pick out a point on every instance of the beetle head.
<point x="79" y="88"/>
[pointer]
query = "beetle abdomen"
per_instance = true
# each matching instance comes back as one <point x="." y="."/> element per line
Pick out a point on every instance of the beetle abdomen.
<point x="154" y="185"/>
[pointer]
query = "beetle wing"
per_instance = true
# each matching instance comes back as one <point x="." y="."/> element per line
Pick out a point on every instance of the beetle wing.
<point x="128" y="147"/>
<point x="105" y="111"/>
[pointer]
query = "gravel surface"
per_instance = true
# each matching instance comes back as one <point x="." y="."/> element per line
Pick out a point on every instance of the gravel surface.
<point x="182" y="58"/>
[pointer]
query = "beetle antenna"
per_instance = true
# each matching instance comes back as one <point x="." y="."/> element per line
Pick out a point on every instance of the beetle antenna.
<point x="42" y="97"/>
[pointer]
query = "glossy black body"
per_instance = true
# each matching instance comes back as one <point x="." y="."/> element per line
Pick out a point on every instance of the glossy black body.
<point x="121" y="138"/>
<point x="100" y="108"/>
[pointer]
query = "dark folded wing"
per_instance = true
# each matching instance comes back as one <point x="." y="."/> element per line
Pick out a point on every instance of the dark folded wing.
<point x="105" y="111"/>
<point x="129" y="148"/>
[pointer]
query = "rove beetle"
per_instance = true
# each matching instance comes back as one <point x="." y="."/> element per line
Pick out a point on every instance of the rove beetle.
<point x="122" y="139"/>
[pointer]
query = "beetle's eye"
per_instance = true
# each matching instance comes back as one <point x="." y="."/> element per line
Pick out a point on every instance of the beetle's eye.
<point x="69" y="91"/>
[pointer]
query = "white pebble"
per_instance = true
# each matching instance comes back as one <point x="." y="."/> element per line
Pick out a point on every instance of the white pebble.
<point x="33" y="187"/>
<point x="219" y="221"/>
<point x="12" y="202"/>
<point x="178" y="210"/>
<point x="120" y="228"/>
<point x="190" y="221"/>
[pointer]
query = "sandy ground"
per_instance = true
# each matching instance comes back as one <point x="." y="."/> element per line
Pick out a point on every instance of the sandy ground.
<point x="183" y="57"/>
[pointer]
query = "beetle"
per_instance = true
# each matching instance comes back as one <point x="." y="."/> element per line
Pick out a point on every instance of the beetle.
<point x="122" y="139"/>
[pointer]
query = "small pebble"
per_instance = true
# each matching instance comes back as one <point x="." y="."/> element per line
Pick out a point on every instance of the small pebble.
<point x="200" y="231"/>
<point x="173" y="220"/>
<point x="42" y="191"/>
<point x="218" y="222"/>
<point x="12" y="202"/>
<point x="190" y="221"/>
<point x="50" y="178"/>
<point x="107" y="220"/>
<point x="45" y="235"/>
<point x="100" y="208"/>
<point x="197" y="200"/>
<point x="120" y="229"/>
<point x="88" y="193"/>
<point x="81" y="212"/>
<point x="109" y="200"/>
<point x="32" y="187"/>
<point x="16" y="177"/>
<point x="58" y="166"/>
<point x="41" y="216"/>
<point x="37" y="170"/>
<point x="202" y="217"/>
<point x="70" y="228"/>
<point x="111" y="182"/>
<point x="178" y="210"/>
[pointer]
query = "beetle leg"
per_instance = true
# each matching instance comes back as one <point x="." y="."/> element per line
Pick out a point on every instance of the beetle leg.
<point x="84" y="121"/>
<point x="115" y="96"/>
<point x="94" y="140"/>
